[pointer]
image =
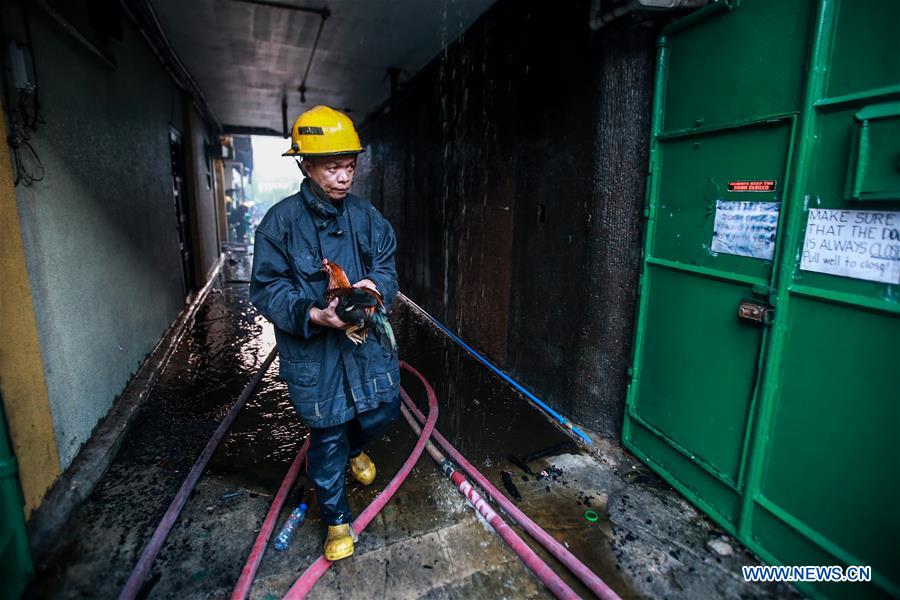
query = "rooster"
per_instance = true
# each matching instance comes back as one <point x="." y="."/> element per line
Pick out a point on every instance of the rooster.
<point x="361" y="307"/>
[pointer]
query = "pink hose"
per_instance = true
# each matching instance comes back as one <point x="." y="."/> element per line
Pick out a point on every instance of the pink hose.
<point x="309" y="577"/>
<point x="579" y="569"/>
<point x="548" y="576"/>
<point x="139" y="574"/>
<point x="242" y="589"/>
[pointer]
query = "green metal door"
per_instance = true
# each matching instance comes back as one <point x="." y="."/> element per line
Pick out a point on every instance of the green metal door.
<point x="15" y="558"/>
<point x="765" y="380"/>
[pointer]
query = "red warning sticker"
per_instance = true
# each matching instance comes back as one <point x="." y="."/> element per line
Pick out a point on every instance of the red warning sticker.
<point x="753" y="185"/>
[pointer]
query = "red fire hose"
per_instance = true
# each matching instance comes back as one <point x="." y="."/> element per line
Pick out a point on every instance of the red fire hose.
<point x="306" y="581"/>
<point x="548" y="577"/>
<point x="142" y="568"/>
<point x="553" y="582"/>
<point x="309" y="577"/>
<point x="242" y="589"/>
<point x="579" y="569"/>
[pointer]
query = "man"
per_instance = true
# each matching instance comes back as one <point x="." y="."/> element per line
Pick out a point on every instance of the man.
<point x="346" y="394"/>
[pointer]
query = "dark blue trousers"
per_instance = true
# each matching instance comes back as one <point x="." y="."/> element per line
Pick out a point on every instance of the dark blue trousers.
<point x="331" y="447"/>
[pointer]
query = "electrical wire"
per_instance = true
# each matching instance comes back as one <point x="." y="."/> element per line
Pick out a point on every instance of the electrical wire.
<point x="23" y="116"/>
<point x="23" y="174"/>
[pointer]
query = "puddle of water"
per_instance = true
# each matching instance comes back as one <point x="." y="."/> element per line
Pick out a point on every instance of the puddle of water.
<point x="489" y="421"/>
<point x="486" y="419"/>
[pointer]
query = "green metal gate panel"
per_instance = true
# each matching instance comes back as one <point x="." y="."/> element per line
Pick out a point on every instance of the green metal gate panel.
<point x="15" y="557"/>
<point x="781" y="426"/>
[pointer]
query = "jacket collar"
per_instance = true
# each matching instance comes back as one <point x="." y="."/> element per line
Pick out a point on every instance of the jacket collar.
<point x="315" y="198"/>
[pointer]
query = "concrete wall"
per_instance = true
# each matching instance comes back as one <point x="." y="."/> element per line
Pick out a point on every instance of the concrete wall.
<point x="513" y="169"/>
<point x="99" y="230"/>
<point x="28" y="417"/>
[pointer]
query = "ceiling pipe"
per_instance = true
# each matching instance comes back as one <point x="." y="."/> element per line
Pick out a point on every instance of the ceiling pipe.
<point x="600" y="17"/>
<point x="323" y="12"/>
<point x="144" y="18"/>
<point x="312" y="54"/>
<point x="249" y="130"/>
<point x="284" y="117"/>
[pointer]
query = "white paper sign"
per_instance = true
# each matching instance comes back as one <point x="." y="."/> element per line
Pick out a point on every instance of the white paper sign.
<point x="745" y="228"/>
<point x="863" y="244"/>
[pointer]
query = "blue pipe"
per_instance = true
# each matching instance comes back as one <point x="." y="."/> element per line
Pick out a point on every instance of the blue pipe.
<point x="562" y="420"/>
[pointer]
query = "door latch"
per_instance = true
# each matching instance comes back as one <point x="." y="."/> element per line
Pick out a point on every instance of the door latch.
<point x="755" y="311"/>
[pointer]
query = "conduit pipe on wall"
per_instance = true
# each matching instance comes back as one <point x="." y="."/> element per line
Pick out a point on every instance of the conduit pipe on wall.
<point x="144" y="18"/>
<point x="548" y="577"/>
<point x="75" y="34"/>
<point x="571" y="562"/>
<point x="600" y="17"/>
<point x="309" y="577"/>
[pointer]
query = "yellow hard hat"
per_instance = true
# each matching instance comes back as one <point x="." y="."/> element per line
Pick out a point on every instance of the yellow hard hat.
<point x="323" y="131"/>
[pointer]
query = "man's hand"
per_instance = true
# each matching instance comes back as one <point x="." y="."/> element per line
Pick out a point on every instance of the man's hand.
<point x="366" y="283"/>
<point x="327" y="317"/>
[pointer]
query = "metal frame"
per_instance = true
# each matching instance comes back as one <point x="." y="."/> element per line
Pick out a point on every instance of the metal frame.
<point x="765" y="399"/>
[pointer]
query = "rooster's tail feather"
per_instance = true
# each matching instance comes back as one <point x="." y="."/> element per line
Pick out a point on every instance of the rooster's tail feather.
<point x="385" y="332"/>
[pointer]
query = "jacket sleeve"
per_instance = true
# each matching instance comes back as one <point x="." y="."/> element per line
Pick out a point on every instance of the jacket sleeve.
<point x="273" y="292"/>
<point x="383" y="271"/>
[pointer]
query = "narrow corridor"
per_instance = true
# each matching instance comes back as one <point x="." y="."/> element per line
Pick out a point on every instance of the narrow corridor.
<point x="445" y="549"/>
<point x="647" y="254"/>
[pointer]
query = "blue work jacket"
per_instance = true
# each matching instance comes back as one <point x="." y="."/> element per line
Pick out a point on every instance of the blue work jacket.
<point x="329" y="377"/>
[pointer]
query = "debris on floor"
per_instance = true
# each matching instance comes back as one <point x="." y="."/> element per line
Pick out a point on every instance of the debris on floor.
<point x="616" y="516"/>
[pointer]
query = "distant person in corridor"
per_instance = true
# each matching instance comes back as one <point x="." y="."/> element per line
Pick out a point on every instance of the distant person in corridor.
<point x="347" y="394"/>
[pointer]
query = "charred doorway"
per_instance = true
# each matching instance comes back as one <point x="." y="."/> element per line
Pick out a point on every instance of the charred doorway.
<point x="182" y="210"/>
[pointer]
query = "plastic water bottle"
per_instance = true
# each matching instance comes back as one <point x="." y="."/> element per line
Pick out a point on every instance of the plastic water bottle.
<point x="284" y="537"/>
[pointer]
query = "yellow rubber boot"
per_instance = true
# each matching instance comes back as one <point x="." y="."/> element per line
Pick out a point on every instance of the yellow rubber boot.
<point x="362" y="468"/>
<point x="339" y="543"/>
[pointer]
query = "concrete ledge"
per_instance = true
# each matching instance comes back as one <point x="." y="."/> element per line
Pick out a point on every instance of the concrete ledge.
<point x="78" y="481"/>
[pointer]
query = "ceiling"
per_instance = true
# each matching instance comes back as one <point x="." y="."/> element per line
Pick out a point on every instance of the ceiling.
<point x="245" y="56"/>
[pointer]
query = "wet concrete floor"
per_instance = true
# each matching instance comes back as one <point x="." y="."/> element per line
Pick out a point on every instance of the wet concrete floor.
<point x="427" y="542"/>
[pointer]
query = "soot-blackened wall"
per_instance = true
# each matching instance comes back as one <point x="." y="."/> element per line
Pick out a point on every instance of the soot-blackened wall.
<point x="513" y="169"/>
